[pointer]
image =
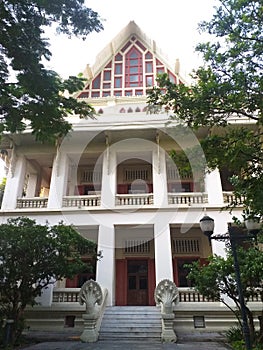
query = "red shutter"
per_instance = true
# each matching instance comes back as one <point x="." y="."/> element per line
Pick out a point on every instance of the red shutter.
<point x="175" y="272"/>
<point x="121" y="282"/>
<point x="151" y="281"/>
<point x="72" y="283"/>
<point x="122" y="189"/>
<point x="150" y="188"/>
<point x="79" y="190"/>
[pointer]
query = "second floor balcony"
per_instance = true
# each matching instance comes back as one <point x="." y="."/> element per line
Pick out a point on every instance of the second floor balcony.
<point x="139" y="182"/>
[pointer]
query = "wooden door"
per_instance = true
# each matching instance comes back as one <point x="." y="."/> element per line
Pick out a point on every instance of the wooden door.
<point x="137" y="286"/>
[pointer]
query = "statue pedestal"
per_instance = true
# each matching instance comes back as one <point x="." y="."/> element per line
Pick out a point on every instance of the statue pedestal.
<point x="90" y="295"/>
<point x="89" y="334"/>
<point x="168" y="334"/>
<point x="166" y="294"/>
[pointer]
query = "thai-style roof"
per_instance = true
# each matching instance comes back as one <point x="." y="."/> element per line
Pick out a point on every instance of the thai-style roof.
<point x="127" y="67"/>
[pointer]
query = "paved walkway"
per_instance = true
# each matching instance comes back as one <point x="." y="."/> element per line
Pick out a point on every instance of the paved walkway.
<point x="186" y="341"/>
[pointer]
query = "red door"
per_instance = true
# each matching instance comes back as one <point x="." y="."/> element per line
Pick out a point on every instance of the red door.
<point x="137" y="286"/>
<point x="135" y="282"/>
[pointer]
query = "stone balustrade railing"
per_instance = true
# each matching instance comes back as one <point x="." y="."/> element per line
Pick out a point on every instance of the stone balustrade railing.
<point x="187" y="198"/>
<point x="191" y="295"/>
<point x="70" y="295"/>
<point x="134" y="199"/>
<point x="31" y="203"/>
<point x="230" y="198"/>
<point x="180" y="199"/>
<point x="81" y="201"/>
<point x="66" y="295"/>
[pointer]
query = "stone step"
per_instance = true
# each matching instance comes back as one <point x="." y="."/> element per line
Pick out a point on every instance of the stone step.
<point x="132" y="327"/>
<point x="132" y="319"/>
<point x="131" y="323"/>
<point x="124" y="323"/>
<point x="130" y="336"/>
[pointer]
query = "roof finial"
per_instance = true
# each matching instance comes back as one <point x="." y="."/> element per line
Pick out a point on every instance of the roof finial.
<point x="177" y="66"/>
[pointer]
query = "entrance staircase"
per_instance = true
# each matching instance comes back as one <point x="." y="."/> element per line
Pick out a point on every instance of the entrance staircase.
<point x="126" y="323"/>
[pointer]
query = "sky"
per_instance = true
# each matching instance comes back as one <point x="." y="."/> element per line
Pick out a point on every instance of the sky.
<point x="171" y="23"/>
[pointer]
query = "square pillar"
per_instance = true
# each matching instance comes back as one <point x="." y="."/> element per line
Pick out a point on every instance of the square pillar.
<point x="163" y="252"/>
<point x="58" y="182"/>
<point x="31" y="185"/>
<point x="109" y="176"/>
<point x="105" y="274"/>
<point x="15" y="182"/>
<point x="160" y="196"/>
<point x="213" y="186"/>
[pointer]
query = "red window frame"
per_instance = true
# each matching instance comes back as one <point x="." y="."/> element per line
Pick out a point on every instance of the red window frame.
<point x="133" y="68"/>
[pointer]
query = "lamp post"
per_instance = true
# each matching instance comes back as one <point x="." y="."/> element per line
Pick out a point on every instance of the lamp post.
<point x="207" y="226"/>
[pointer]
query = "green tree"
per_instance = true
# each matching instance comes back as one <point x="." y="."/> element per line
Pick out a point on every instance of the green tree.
<point x="227" y="87"/>
<point x="30" y="94"/>
<point x="217" y="278"/>
<point x="32" y="256"/>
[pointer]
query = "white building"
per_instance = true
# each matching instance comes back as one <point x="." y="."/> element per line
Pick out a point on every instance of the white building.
<point x="113" y="179"/>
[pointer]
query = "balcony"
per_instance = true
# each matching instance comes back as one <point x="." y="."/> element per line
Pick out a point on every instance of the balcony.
<point x="230" y="198"/>
<point x="187" y="198"/>
<point x="138" y="199"/>
<point x="179" y="199"/>
<point x="32" y="203"/>
<point x="81" y="201"/>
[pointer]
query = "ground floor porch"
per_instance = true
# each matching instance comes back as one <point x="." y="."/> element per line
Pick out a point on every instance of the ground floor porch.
<point x="135" y="258"/>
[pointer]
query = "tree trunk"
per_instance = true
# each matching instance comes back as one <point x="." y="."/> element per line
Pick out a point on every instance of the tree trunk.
<point x="260" y="335"/>
<point x="251" y="324"/>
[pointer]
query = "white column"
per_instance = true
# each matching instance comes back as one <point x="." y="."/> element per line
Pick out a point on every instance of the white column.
<point x="15" y="182"/>
<point x="105" y="273"/>
<point x="72" y="180"/>
<point x="163" y="252"/>
<point x="31" y="185"/>
<point x="160" y="196"/>
<point x="46" y="297"/>
<point x="109" y="176"/>
<point x="213" y="186"/>
<point x="58" y="182"/>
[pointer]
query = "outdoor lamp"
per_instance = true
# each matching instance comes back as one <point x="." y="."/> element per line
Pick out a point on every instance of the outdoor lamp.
<point x="207" y="225"/>
<point x="233" y="236"/>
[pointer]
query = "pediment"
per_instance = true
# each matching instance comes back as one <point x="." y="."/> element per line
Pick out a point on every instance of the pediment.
<point x="127" y="67"/>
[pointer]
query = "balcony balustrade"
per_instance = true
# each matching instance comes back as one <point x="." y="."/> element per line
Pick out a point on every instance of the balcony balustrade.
<point x="32" y="203"/>
<point x="187" y="198"/>
<point x="134" y="199"/>
<point x="82" y="201"/>
<point x="230" y="198"/>
<point x="181" y="199"/>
